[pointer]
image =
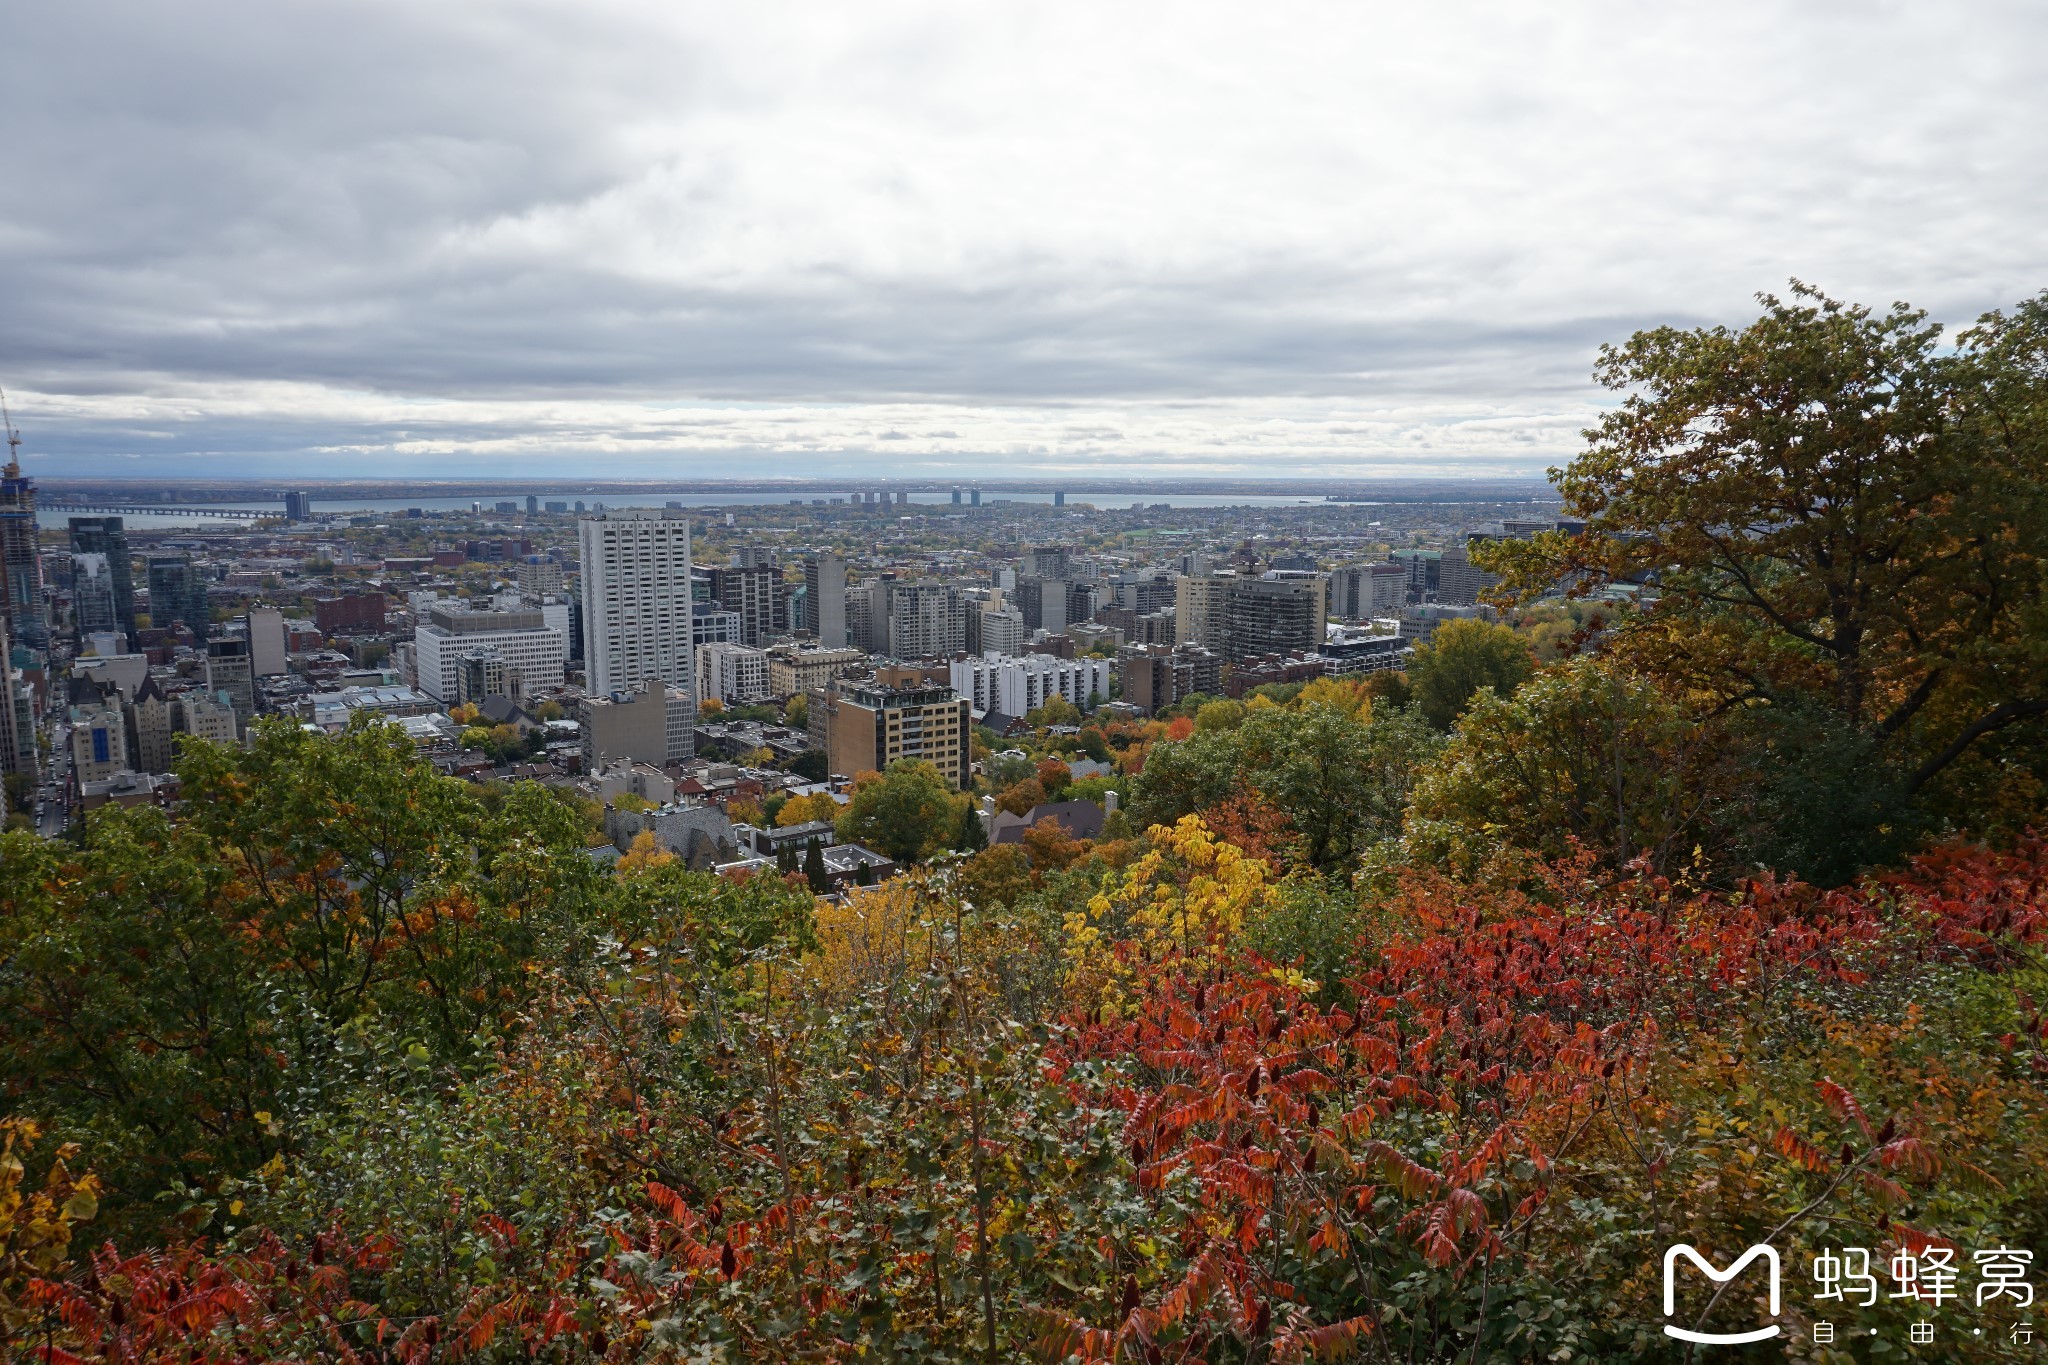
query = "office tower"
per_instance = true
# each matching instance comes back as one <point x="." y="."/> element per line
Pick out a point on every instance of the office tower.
<point x="268" y="646"/>
<point x="1029" y="596"/>
<point x="1279" y="613"/>
<point x="654" y="723"/>
<point x="92" y="594"/>
<point x="21" y="568"/>
<point x="534" y="651"/>
<point x="636" y="600"/>
<point x="229" y="679"/>
<point x="177" y="593"/>
<point x="924" y="621"/>
<point x="1425" y="572"/>
<point x="298" y="506"/>
<point x="825" y="588"/>
<point x="865" y="727"/>
<point x="108" y="536"/>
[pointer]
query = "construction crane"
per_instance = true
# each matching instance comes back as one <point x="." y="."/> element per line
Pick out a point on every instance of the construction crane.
<point x="13" y="470"/>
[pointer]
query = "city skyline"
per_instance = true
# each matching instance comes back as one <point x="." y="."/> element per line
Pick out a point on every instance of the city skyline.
<point x="947" y="244"/>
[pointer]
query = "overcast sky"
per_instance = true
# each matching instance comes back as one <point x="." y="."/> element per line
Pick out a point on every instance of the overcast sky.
<point x="639" y="239"/>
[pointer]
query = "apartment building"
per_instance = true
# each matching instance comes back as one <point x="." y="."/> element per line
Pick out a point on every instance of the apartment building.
<point x="637" y="617"/>
<point x="865" y="728"/>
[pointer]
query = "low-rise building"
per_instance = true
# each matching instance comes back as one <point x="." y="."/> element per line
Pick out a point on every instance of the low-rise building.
<point x="866" y="727"/>
<point x="1016" y="685"/>
<point x="732" y="675"/>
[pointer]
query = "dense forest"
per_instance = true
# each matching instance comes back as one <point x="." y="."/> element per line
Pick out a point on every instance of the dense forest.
<point x="1401" y="1020"/>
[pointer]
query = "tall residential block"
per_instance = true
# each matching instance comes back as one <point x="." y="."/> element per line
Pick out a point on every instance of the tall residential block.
<point x="825" y="589"/>
<point x="1277" y="613"/>
<point x="268" y="643"/>
<point x="636" y="599"/>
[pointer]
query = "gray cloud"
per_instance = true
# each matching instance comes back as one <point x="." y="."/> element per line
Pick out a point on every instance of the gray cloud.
<point x="362" y="238"/>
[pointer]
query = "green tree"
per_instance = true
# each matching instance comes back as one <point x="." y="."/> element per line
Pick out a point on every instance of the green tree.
<point x="1831" y="508"/>
<point x="1588" y="752"/>
<point x="905" y="813"/>
<point x="1461" y="658"/>
<point x="814" y="867"/>
<point x="1341" y="782"/>
<point x="973" y="835"/>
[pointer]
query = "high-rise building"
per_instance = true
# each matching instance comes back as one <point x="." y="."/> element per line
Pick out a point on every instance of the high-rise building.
<point x="711" y="624"/>
<point x="1199" y="608"/>
<point x="268" y="642"/>
<point x="925" y="621"/>
<point x="636" y="600"/>
<point x="99" y="732"/>
<point x="1425" y="572"/>
<point x="756" y="593"/>
<point x="177" y="594"/>
<point x="1156" y="676"/>
<point x="867" y="616"/>
<point x="533" y="504"/>
<point x="298" y="506"/>
<point x="92" y="594"/>
<point x="535" y="652"/>
<point x="151" y="724"/>
<point x="18" y="752"/>
<point x="865" y="728"/>
<point x="540" y="576"/>
<point x="1277" y="613"/>
<point x="1459" y="580"/>
<point x="1003" y="630"/>
<point x="109" y="536"/>
<point x="825" y="590"/>
<point x="21" y="569"/>
<point x="1360" y="592"/>
<point x="974" y="497"/>
<point x="654" y="723"/>
<point x="228" y="678"/>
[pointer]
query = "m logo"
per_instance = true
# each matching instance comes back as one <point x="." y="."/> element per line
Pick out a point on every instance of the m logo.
<point x="1718" y="1277"/>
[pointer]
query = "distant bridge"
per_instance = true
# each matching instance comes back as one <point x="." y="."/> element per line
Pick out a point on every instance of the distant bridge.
<point x="165" y="509"/>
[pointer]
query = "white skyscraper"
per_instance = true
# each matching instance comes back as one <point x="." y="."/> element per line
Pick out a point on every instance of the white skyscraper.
<point x="636" y="599"/>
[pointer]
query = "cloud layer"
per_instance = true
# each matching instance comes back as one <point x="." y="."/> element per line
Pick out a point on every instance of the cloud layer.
<point x="376" y="238"/>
